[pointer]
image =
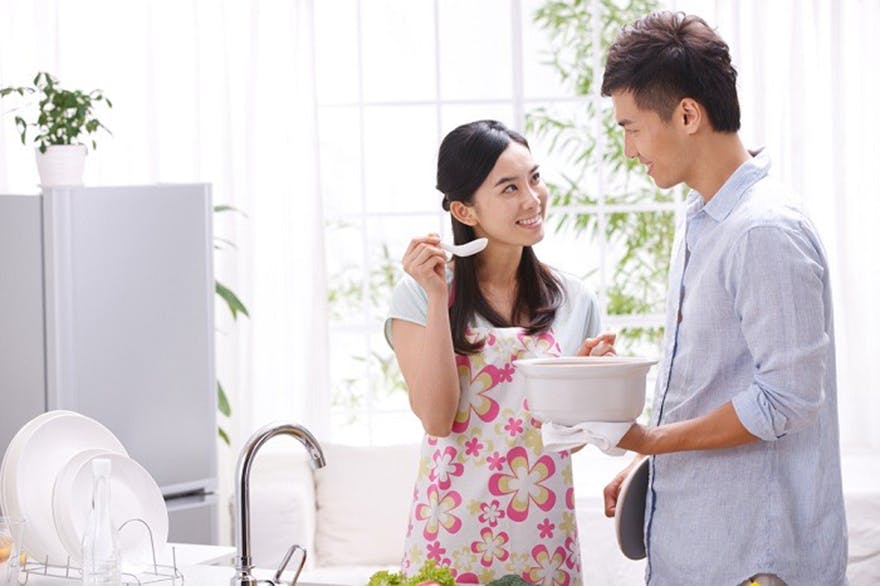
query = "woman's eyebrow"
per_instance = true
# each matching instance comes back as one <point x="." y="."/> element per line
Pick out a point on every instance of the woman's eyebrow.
<point x="509" y="179"/>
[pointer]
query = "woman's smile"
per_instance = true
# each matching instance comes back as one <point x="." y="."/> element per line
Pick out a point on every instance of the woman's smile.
<point x="532" y="222"/>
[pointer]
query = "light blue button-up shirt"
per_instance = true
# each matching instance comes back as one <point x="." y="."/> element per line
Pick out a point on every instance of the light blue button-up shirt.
<point x="749" y="321"/>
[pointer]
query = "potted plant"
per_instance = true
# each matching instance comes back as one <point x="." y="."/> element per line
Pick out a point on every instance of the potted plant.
<point x="65" y="117"/>
<point x="236" y="307"/>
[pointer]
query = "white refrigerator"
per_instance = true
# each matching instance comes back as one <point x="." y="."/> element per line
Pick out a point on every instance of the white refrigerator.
<point x="107" y="309"/>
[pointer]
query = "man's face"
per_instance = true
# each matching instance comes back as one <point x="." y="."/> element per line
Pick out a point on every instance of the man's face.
<point x="660" y="146"/>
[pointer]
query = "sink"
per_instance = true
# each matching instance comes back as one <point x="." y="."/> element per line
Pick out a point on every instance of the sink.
<point x="214" y="575"/>
<point x="243" y="560"/>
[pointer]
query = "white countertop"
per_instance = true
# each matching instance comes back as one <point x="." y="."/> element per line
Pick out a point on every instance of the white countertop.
<point x="191" y="554"/>
<point x="196" y="563"/>
<point x="219" y="575"/>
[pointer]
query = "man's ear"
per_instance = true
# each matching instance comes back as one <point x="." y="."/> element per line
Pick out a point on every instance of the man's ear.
<point x="690" y="114"/>
<point x="463" y="213"/>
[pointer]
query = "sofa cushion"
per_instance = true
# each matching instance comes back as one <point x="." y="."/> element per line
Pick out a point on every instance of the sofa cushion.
<point x="363" y="496"/>
<point x="282" y="506"/>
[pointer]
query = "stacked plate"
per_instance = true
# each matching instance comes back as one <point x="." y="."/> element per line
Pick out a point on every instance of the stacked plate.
<point x="46" y="478"/>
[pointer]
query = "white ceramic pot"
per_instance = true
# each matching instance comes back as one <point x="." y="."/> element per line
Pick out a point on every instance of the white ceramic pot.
<point x="574" y="390"/>
<point x="61" y="165"/>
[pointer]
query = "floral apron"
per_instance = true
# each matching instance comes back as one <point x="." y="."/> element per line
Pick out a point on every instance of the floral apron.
<point x="488" y="500"/>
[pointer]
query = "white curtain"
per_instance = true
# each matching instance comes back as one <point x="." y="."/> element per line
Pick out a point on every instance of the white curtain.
<point x="217" y="92"/>
<point x="809" y="89"/>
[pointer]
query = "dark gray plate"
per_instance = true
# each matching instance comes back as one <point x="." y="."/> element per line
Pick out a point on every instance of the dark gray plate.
<point x="629" y="515"/>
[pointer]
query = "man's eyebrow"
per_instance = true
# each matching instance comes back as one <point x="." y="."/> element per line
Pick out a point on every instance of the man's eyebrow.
<point x="509" y="179"/>
<point x="624" y="122"/>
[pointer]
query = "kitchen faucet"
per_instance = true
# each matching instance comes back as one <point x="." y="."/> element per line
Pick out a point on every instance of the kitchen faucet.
<point x="243" y="562"/>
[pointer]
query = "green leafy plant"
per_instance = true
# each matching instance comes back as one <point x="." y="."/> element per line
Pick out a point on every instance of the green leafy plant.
<point x="236" y="307"/>
<point x="589" y="141"/>
<point x="430" y="573"/>
<point x="347" y="294"/>
<point x="63" y="116"/>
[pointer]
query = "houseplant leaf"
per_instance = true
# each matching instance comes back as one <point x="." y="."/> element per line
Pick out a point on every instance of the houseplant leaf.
<point x="232" y="301"/>
<point x="223" y="401"/>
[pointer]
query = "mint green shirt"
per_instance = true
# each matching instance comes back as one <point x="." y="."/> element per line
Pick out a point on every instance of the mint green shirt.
<point x="577" y="318"/>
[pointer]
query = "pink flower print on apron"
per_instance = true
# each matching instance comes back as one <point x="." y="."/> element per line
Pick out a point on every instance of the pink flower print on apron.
<point x="488" y="501"/>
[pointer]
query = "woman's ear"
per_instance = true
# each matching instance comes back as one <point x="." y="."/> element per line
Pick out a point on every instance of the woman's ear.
<point x="463" y="213"/>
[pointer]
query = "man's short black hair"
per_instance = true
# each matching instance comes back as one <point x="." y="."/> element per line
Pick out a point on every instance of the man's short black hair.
<point x="664" y="57"/>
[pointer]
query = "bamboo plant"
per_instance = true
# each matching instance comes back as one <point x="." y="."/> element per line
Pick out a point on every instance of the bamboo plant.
<point x="236" y="307"/>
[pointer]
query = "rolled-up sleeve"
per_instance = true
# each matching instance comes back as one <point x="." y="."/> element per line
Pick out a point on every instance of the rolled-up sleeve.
<point x="776" y="279"/>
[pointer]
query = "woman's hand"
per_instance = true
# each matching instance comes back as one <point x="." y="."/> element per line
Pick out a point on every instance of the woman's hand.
<point x="601" y="345"/>
<point x="425" y="352"/>
<point x="425" y="262"/>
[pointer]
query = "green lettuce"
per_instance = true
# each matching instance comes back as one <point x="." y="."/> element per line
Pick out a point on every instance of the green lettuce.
<point x="430" y="572"/>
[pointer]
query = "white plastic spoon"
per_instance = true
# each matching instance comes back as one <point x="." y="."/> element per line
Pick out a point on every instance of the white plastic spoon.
<point x="467" y="249"/>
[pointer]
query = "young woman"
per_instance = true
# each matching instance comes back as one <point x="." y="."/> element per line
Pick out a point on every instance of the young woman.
<point x="488" y="500"/>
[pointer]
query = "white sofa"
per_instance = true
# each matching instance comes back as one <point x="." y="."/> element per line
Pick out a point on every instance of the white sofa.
<point x="351" y="516"/>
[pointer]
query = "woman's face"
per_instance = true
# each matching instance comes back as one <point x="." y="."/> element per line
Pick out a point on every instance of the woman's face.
<point x="509" y="207"/>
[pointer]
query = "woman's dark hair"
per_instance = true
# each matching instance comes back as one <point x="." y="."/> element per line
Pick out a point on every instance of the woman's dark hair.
<point x="467" y="156"/>
<point x="664" y="57"/>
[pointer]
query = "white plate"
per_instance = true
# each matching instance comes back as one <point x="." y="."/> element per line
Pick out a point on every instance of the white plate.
<point x="629" y="515"/>
<point x="61" y="497"/>
<point x="8" y="500"/>
<point x="41" y="456"/>
<point x="133" y="495"/>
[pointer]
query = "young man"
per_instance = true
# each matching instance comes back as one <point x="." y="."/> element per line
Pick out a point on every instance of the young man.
<point x="745" y="475"/>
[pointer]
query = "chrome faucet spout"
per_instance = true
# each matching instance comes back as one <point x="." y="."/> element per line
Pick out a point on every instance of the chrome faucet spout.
<point x="243" y="561"/>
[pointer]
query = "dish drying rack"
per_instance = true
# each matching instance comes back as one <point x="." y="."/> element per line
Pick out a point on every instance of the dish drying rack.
<point x="156" y="573"/>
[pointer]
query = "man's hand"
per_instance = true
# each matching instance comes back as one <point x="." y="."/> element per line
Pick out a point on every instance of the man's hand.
<point x="639" y="439"/>
<point x="720" y="428"/>
<point x="612" y="490"/>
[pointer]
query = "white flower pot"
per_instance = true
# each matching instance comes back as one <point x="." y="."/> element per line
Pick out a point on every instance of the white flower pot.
<point x="61" y="165"/>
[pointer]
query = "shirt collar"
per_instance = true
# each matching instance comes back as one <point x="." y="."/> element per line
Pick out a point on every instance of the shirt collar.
<point x="746" y="175"/>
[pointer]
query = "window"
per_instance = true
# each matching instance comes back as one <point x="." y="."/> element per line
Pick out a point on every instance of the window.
<point x="383" y="111"/>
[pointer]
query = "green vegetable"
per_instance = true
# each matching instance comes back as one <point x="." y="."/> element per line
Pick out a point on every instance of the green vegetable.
<point x="430" y="572"/>
<point x="386" y="578"/>
<point x="509" y="580"/>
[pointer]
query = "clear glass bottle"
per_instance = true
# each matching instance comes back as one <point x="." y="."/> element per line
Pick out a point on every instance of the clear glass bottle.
<point x="100" y="553"/>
